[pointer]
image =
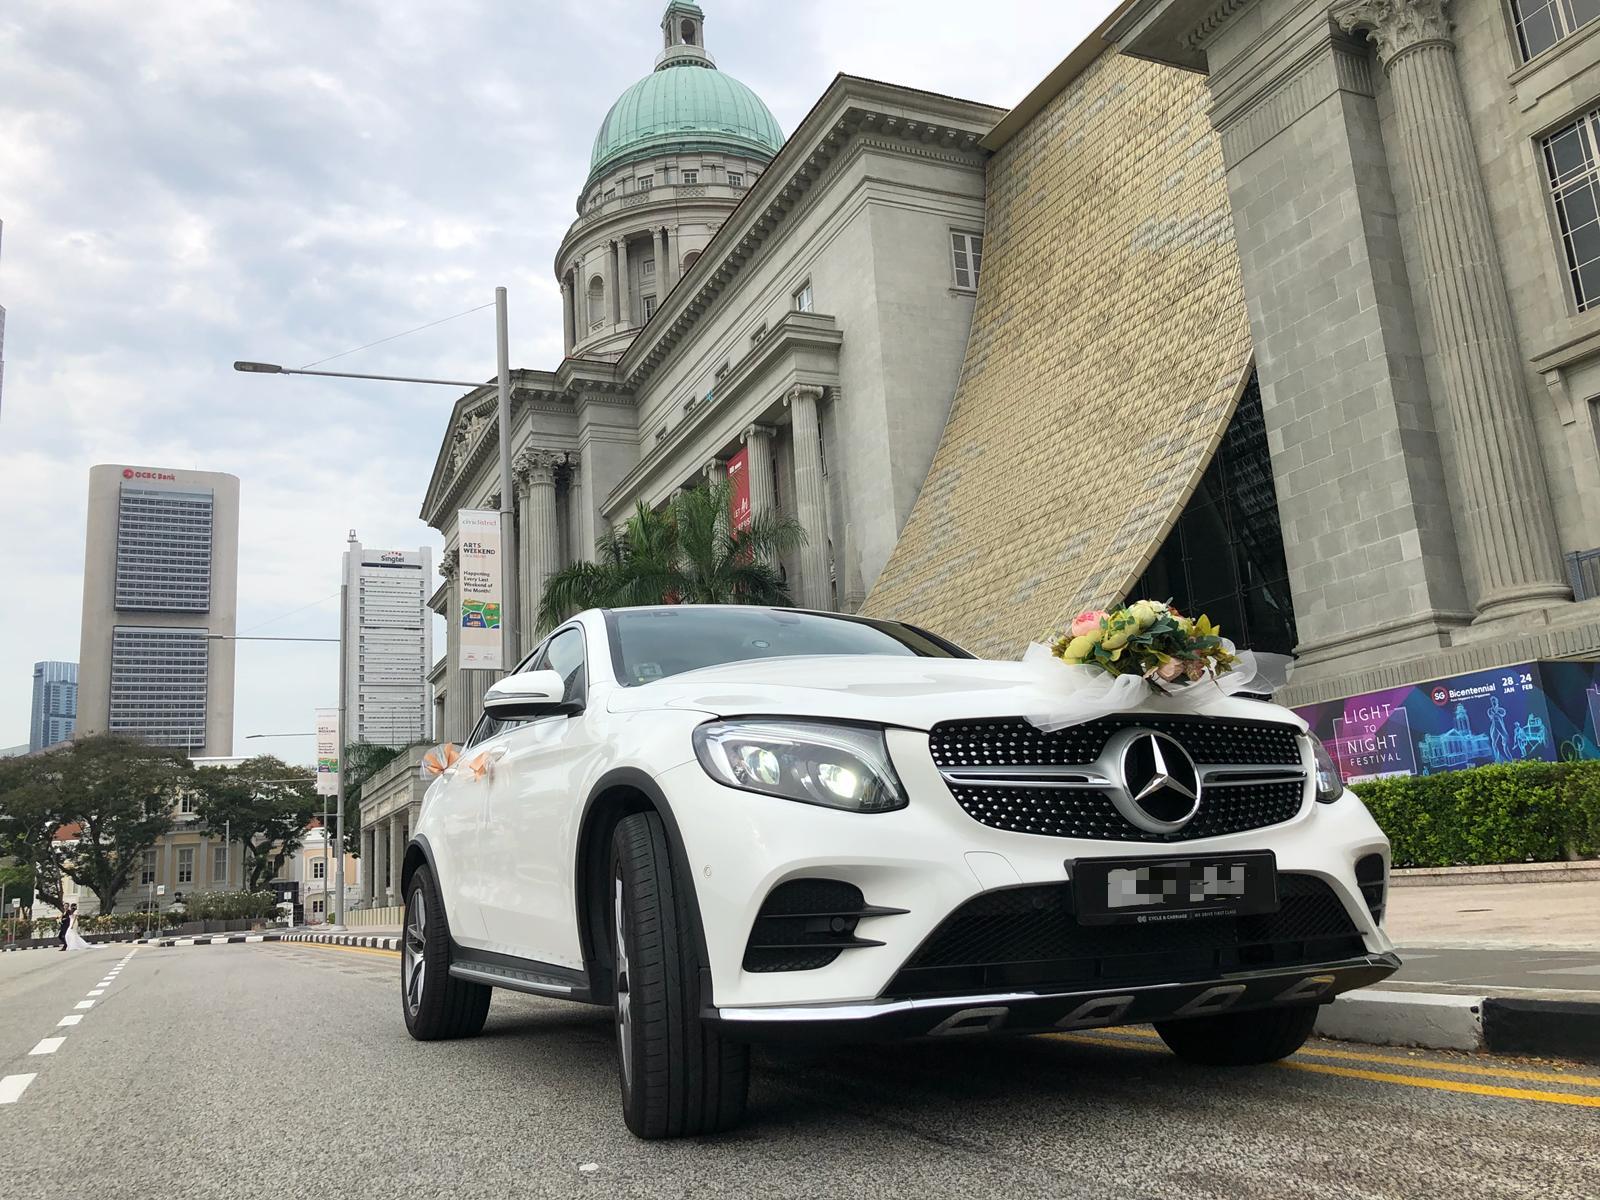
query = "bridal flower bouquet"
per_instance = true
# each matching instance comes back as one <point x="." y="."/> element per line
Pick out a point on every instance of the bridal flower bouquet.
<point x="1144" y="656"/>
<point x="1149" y="639"/>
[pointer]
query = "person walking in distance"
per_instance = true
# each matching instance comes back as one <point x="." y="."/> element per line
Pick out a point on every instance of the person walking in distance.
<point x="66" y="923"/>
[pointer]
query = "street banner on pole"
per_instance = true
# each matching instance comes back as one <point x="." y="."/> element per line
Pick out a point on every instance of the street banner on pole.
<point x="739" y="485"/>
<point x="482" y="591"/>
<point x="327" y="751"/>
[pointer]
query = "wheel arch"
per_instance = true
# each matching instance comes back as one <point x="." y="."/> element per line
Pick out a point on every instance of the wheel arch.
<point x="621" y="793"/>
<point x="418" y="854"/>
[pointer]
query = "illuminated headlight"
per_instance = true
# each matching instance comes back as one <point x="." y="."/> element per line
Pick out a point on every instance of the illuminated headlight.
<point x="1329" y="785"/>
<point x="837" y="766"/>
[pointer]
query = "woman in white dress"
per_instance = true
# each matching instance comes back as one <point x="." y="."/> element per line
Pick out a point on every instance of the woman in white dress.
<point x="75" y="940"/>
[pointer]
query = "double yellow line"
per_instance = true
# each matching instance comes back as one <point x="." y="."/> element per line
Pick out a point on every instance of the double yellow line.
<point x="1148" y="1041"/>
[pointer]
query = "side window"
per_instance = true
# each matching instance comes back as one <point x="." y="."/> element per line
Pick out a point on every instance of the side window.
<point x="565" y="655"/>
<point x="485" y="729"/>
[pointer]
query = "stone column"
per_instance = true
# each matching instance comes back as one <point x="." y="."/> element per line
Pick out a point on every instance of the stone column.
<point x="763" y="492"/>
<point x="581" y="551"/>
<point x="367" y="845"/>
<point x="580" y="301"/>
<point x="663" y="285"/>
<point x="1503" y="502"/>
<point x="669" y="239"/>
<point x="542" y="534"/>
<point x="809" y="500"/>
<point x="396" y="856"/>
<point x="716" y="471"/>
<point x="612" y="289"/>
<point x="568" y="313"/>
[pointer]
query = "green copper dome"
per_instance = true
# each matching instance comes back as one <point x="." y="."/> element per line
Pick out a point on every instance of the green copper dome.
<point x="685" y="105"/>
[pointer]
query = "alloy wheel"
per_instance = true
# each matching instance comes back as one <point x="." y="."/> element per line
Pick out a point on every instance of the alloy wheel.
<point x="413" y="953"/>
<point x="624" y="999"/>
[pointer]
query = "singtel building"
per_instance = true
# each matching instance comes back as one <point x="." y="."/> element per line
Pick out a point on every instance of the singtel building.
<point x="160" y="584"/>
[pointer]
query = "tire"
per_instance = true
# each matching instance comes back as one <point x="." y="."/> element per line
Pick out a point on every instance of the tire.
<point x="436" y="1005"/>
<point x="680" y="1077"/>
<point x="1240" y="1039"/>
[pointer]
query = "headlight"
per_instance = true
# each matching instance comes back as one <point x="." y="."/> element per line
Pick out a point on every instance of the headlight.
<point x="1329" y="785"/>
<point x="837" y="766"/>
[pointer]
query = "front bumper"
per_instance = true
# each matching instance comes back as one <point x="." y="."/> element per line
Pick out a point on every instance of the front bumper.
<point x="1034" y="1012"/>
<point x="926" y="861"/>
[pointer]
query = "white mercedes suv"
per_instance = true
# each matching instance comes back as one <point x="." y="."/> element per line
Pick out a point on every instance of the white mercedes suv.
<point x="729" y="824"/>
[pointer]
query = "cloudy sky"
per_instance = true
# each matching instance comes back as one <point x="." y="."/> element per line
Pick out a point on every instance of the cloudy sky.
<point x="187" y="182"/>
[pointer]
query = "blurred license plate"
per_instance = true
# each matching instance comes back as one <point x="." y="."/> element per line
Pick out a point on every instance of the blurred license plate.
<point x="1157" y="890"/>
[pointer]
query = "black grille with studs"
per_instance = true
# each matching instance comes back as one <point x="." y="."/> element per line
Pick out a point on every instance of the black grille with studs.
<point x="1012" y="742"/>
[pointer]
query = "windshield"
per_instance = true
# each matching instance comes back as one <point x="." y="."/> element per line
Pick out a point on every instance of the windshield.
<point x="652" y="643"/>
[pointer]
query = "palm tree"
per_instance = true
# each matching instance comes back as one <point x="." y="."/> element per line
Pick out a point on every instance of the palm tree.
<point x="688" y="553"/>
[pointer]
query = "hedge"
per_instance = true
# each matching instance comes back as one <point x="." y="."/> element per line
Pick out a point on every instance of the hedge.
<point x="1508" y="813"/>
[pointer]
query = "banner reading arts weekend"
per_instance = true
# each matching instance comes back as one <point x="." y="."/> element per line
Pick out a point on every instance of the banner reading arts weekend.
<point x="327" y="751"/>
<point x="482" y="590"/>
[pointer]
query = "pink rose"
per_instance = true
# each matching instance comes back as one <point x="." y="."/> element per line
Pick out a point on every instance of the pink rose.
<point x="1086" y="622"/>
<point x="1170" y="671"/>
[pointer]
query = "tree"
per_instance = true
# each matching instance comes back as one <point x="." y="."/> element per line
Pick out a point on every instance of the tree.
<point x="363" y="760"/>
<point x="688" y="553"/>
<point x="265" y="804"/>
<point x="115" y="793"/>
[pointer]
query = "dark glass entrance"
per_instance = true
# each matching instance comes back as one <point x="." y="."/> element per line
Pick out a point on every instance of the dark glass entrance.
<point x="1224" y="557"/>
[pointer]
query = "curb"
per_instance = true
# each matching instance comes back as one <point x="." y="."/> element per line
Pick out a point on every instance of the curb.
<point x="367" y="941"/>
<point x="1581" y="871"/>
<point x="52" y="945"/>
<point x="220" y="939"/>
<point x="1435" y="1021"/>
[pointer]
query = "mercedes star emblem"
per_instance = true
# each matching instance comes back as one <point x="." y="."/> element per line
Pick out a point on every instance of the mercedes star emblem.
<point x="1160" y="786"/>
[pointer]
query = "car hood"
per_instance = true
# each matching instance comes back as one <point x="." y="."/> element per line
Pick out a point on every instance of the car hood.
<point x="915" y="693"/>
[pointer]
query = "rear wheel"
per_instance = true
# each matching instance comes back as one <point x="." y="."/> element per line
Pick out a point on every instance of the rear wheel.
<point x="1240" y="1039"/>
<point x="435" y="1003"/>
<point x="680" y="1078"/>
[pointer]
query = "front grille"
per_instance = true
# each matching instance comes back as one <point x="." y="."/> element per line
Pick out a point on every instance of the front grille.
<point x="1028" y="937"/>
<point x="1029" y="806"/>
<point x="1373" y="881"/>
<point x="1012" y="742"/>
<point x="805" y="923"/>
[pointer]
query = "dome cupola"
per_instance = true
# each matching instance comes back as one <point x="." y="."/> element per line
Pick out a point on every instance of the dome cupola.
<point x="685" y="105"/>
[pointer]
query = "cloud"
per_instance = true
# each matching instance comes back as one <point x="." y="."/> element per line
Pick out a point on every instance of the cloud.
<point x="187" y="184"/>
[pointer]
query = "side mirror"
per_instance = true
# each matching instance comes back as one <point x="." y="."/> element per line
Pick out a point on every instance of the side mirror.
<point x="530" y="694"/>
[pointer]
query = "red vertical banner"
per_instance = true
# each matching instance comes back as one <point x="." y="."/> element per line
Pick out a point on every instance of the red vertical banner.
<point x="739" y="486"/>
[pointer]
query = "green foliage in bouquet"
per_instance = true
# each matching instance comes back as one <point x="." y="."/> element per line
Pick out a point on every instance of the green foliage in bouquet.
<point x="1147" y="638"/>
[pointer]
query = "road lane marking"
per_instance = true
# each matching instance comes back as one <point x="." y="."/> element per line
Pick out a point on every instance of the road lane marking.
<point x="72" y="1020"/>
<point x="1441" y="1085"/>
<point x="12" y="1087"/>
<point x="1448" y="1066"/>
<point x="48" y="1045"/>
<point x="84" y="1004"/>
<point x="96" y="992"/>
<point x="346" y="949"/>
<point x="1447" y="1085"/>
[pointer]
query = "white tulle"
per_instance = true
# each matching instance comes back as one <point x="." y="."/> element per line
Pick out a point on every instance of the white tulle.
<point x="1081" y="693"/>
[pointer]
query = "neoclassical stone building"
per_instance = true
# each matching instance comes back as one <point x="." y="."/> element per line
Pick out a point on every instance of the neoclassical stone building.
<point x="802" y="304"/>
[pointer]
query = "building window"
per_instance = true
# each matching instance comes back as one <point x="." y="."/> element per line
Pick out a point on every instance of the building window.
<point x="649" y="307"/>
<point x="316" y="907"/>
<point x="319" y="869"/>
<point x="219" y="864"/>
<point x="1543" y="23"/>
<point x="188" y="804"/>
<point x="1574" y="176"/>
<point x="967" y="249"/>
<point x="802" y="297"/>
<point x="646" y="182"/>
<point x="597" y="301"/>
<point x="735" y="179"/>
<point x="647" y="269"/>
<point x="691" y="177"/>
<point x="185" y="864"/>
<point x="147" y="868"/>
<point x="611" y="193"/>
<point x="690" y="259"/>
<point x="1224" y="558"/>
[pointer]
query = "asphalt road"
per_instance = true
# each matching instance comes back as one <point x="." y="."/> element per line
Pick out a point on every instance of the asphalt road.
<point x="285" y="1071"/>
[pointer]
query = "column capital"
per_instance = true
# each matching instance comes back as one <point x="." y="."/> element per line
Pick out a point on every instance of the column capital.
<point x="756" y="431"/>
<point x="1394" y="26"/>
<point x="714" y="468"/>
<point x="536" y="468"/>
<point x="805" y="391"/>
<point x="450" y="563"/>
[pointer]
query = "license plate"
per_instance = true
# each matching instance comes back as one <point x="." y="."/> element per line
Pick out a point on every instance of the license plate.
<point x="1147" y="891"/>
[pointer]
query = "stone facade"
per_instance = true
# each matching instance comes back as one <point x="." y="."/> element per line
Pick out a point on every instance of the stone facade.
<point x="1426" y="372"/>
<point x="1108" y="350"/>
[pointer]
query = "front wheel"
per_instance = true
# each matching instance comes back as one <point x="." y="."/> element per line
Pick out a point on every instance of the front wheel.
<point x="680" y="1078"/>
<point x="1240" y="1039"/>
<point x="436" y="1004"/>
